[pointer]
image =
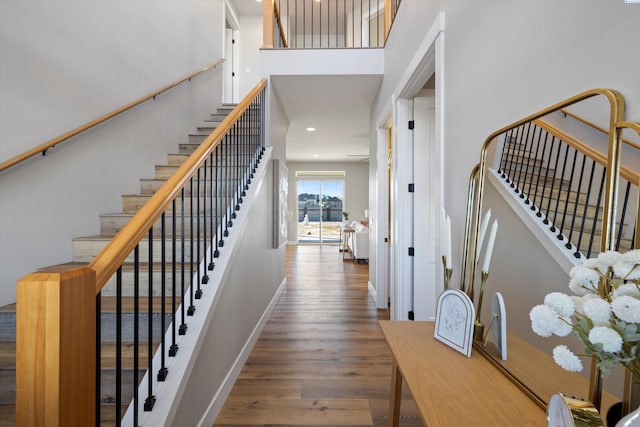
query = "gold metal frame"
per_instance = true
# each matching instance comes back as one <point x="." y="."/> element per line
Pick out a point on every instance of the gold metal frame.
<point x="617" y="124"/>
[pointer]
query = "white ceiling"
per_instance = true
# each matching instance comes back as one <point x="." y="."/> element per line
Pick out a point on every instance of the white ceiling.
<point x="337" y="106"/>
<point x="247" y="7"/>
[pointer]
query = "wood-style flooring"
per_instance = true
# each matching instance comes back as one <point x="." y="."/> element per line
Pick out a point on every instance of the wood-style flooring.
<point x="321" y="359"/>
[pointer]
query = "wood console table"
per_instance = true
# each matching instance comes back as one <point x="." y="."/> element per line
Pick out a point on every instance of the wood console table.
<point x="449" y="388"/>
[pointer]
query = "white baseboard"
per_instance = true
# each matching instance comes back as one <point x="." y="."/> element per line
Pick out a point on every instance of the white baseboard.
<point x="214" y="408"/>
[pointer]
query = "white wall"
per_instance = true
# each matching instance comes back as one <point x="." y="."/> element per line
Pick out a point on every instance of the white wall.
<point x="250" y="43"/>
<point x="245" y="295"/>
<point x="63" y="63"/>
<point x="505" y="60"/>
<point x="356" y="191"/>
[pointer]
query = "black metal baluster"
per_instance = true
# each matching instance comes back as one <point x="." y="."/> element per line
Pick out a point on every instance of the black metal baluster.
<point x="514" y="162"/>
<point x="623" y="215"/>
<point x="205" y="276"/>
<point x="553" y="178"/>
<point x="543" y="165"/>
<point x="224" y="222"/>
<point x="328" y="22"/>
<point x="320" y="24"/>
<point x="183" y="326"/>
<point x="151" y="399"/>
<point x="562" y="175"/>
<point x="521" y="160"/>
<point x="586" y="206"/>
<point x="353" y="23"/>
<point x="173" y="350"/>
<point x="575" y="206"/>
<point x="214" y="214"/>
<point x="199" y="214"/>
<point x="533" y="167"/>
<point x="219" y="239"/>
<point x="502" y="162"/>
<point x="595" y="219"/>
<point x="570" y="186"/>
<point x="98" y="358"/>
<point x="369" y="25"/>
<point x="344" y="20"/>
<point x="163" y="371"/>
<point x="212" y="241"/>
<point x="118" y="347"/>
<point x="509" y="149"/>
<point x="192" y="307"/>
<point x="228" y="184"/>
<point x="136" y="332"/>
<point x="361" y="44"/>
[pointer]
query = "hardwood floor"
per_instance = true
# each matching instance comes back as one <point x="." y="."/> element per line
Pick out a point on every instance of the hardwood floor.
<point x="321" y="359"/>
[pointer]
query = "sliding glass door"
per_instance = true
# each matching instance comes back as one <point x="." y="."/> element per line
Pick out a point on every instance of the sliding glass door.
<point x="320" y="204"/>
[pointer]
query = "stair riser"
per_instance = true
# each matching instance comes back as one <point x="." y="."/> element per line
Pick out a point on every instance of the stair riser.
<point x="186" y="148"/>
<point x="179" y="159"/>
<point x="240" y="134"/>
<point x="128" y="284"/>
<point x="150" y="186"/>
<point x="110" y="225"/>
<point x="166" y="172"/>
<point x="131" y="204"/>
<point x="87" y="250"/>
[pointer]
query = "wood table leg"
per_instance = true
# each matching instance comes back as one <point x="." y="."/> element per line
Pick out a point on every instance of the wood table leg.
<point x="396" y="394"/>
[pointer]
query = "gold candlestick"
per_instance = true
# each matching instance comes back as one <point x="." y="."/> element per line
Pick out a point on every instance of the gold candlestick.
<point x="478" y="327"/>
<point x="448" y="272"/>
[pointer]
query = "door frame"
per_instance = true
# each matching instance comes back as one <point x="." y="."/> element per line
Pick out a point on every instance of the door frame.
<point x="428" y="59"/>
<point x="320" y="179"/>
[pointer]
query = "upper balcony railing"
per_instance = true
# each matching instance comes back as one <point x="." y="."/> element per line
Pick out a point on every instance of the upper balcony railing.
<point x="321" y="24"/>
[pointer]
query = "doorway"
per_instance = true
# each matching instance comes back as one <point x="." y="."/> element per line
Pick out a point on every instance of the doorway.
<point x="320" y="210"/>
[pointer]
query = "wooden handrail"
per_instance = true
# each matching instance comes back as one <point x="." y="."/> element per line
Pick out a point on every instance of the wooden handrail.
<point x="595" y="126"/>
<point x="590" y="152"/>
<point x="279" y="21"/>
<point x="114" y="254"/>
<point x="42" y="148"/>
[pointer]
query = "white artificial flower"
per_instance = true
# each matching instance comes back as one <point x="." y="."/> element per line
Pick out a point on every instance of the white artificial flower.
<point x="544" y="321"/>
<point x="565" y="326"/>
<point x="629" y="270"/>
<point x="566" y="359"/>
<point x="630" y="289"/>
<point x="598" y="310"/>
<point x="611" y="340"/>
<point x="627" y="308"/>
<point x="560" y="303"/>
<point x="631" y="256"/>
<point x="596" y="264"/>
<point x="608" y="258"/>
<point x="583" y="280"/>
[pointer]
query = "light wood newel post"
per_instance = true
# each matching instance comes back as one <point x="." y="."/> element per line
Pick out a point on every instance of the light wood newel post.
<point x="267" y="24"/>
<point x="388" y="18"/>
<point x="55" y="348"/>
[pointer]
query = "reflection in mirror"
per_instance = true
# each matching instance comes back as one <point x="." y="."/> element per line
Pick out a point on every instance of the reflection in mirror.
<point x="545" y="180"/>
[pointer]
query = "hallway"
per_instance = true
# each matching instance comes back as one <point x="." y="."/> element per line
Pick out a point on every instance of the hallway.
<point x="321" y="359"/>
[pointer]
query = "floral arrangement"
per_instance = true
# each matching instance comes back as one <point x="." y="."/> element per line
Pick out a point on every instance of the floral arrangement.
<point x="604" y="312"/>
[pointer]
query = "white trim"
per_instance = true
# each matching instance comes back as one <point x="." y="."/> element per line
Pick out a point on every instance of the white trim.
<point x="214" y="408"/>
<point x="378" y="223"/>
<point x="401" y="224"/>
<point x="373" y="293"/>
<point x="546" y="237"/>
<point x="422" y="54"/>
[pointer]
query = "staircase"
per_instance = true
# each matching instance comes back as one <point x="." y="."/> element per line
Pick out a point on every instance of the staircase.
<point x="86" y="248"/>
<point x="565" y="189"/>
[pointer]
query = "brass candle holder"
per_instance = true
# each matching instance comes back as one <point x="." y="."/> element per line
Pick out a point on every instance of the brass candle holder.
<point x="478" y="326"/>
<point x="448" y="272"/>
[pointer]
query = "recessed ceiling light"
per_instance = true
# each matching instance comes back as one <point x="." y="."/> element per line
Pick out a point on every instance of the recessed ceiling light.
<point x="316" y="155"/>
<point x="311" y="129"/>
<point x="259" y="1"/>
